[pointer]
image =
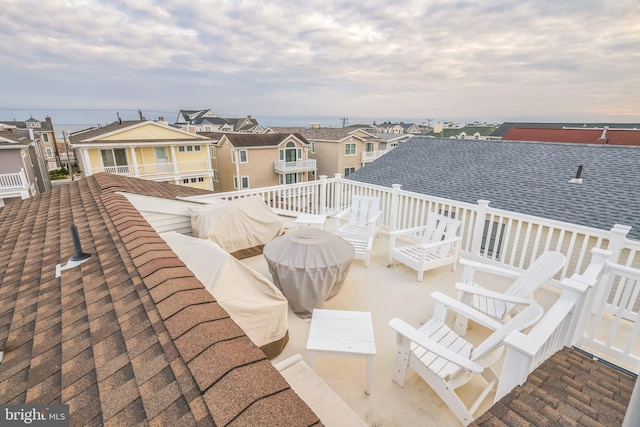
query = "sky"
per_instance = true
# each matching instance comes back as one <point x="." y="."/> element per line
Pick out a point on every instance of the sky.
<point x="294" y="62"/>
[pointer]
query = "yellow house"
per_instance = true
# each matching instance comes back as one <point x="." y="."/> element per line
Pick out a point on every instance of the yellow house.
<point x="146" y="149"/>
<point x="249" y="160"/>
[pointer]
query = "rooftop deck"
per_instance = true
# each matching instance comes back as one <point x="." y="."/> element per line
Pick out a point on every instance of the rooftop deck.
<point x="386" y="293"/>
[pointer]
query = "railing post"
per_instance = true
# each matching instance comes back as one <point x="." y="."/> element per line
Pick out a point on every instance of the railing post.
<point x="395" y="203"/>
<point x="478" y="229"/>
<point x="323" y="195"/>
<point x="23" y="179"/>
<point x="617" y="240"/>
<point x="337" y="194"/>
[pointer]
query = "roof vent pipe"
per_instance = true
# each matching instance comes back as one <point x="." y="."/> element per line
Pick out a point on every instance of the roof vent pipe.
<point x="578" y="178"/>
<point x="77" y="258"/>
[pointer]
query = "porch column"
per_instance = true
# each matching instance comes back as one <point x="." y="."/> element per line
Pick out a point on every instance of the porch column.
<point x="88" y="168"/>
<point x="173" y="159"/>
<point x="136" y="173"/>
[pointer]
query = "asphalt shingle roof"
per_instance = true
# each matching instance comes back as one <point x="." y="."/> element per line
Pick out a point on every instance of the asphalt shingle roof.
<point x="253" y="139"/>
<point x="584" y="136"/>
<point x="130" y="336"/>
<point x="569" y="389"/>
<point x="525" y="177"/>
<point x="504" y="127"/>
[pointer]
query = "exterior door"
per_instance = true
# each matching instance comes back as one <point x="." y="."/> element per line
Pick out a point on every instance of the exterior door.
<point x="162" y="159"/>
<point x="114" y="160"/>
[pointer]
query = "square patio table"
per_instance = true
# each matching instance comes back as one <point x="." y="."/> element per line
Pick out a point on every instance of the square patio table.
<point x="310" y="220"/>
<point x="342" y="333"/>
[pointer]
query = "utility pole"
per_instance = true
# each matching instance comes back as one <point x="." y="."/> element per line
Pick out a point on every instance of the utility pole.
<point x="345" y="120"/>
<point x="65" y="135"/>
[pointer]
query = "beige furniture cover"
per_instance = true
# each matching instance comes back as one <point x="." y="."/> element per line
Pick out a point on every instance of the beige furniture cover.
<point x="309" y="266"/>
<point x="236" y="226"/>
<point x="251" y="300"/>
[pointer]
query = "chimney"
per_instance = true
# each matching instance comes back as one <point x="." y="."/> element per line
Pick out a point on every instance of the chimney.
<point x="140" y="114"/>
<point x="160" y="119"/>
<point x="119" y="119"/>
<point x="249" y="116"/>
<point x="603" y="138"/>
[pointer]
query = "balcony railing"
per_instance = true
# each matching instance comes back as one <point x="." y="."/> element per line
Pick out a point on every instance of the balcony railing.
<point x="154" y="169"/>
<point x="370" y="156"/>
<point x="14" y="181"/>
<point x="295" y="166"/>
<point x="599" y="286"/>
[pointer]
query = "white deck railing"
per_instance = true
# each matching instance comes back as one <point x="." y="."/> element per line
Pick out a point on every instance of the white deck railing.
<point x="14" y="181"/>
<point x="151" y="169"/>
<point x="369" y="156"/>
<point x="295" y="166"/>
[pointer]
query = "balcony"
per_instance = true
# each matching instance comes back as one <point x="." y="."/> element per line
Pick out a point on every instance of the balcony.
<point x="157" y="170"/>
<point x="281" y="166"/>
<point x="597" y="313"/>
<point x="13" y="181"/>
<point x="370" y="156"/>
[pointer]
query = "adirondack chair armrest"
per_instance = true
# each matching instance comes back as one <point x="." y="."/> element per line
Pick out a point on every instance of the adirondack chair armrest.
<point x="403" y="231"/>
<point x="343" y="213"/>
<point x="470" y="267"/>
<point x="466" y="311"/>
<point x="406" y="330"/>
<point x="440" y="243"/>
<point x="374" y="218"/>
<point x="477" y="290"/>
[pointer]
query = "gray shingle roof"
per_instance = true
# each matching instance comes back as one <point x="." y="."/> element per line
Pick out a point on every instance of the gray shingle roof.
<point x="525" y="177"/>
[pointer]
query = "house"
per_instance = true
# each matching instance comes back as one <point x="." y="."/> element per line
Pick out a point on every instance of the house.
<point x="603" y="135"/>
<point x="145" y="149"/>
<point x="536" y="179"/>
<point x="130" y="336"/>
<point x="343" y="150"/>
<point x="250" y="160"/>
<point x="23" y="166"/>
<point x="208" y="121"/>
<point x="44" y="133"/>
<point x="472" y="131"/>
<point x="395" y="128"/>
<point x="499" y="132"/>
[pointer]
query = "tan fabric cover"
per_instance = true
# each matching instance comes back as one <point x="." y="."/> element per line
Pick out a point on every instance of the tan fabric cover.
<point x="309" y="266"/>
<point x="236" y="225"/>
<point x="251" y="300"/>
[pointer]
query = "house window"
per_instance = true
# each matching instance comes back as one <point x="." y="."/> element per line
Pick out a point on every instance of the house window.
<point x="245" y="182"/>
<point x="243" y="156"/>
<point x="235" y="182"/>
<point x="369" y="146"/>
<point x="313" y="147"/>
<point x="349" y="171"/>
<point x="489" y="241"/>
<point x="189" y="147"/>
<point x="289" y="178"/>
<point x="49" y="152"/>
<point x="194" y="180"/>
<point x="196" y="148"/>
<point x="181" y="148"/>
<point x="350" y="149"/>
<point x="45" y="137"/>
<point x="214" y="152"/>
<point x="201" y="179"/>
<point x="185" y="181"/>
<point x="215" y="175"/>
<point x="115" y="158"/>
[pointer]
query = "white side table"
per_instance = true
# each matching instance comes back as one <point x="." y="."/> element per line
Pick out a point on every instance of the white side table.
<point x="342" y="333"/>
<point x="310" y="220"/>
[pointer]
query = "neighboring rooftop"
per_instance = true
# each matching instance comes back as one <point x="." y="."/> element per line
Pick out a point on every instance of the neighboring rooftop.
<point x="130" y="336"/>
<point x="575" y="135"/>
<point x="568" y="389"/>
<point x="525" y="177"/>
<point x="504" y="127"/>
<point x="253" y="139"/>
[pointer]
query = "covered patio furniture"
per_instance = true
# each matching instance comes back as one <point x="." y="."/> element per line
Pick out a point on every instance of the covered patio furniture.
<point x="252" y="301"/>
<point x="446" y="361"/>
<point x="240" y="227"/>
<point x="429" y="246"/>
<point x="309" y="266"/>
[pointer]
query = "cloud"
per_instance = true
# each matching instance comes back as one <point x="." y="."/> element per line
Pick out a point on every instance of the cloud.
<point x="383" y="59"/>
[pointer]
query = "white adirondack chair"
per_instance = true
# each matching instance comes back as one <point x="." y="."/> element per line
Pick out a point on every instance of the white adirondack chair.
<point x="359" y="221"/>
<point x="362" y="247"/>
<point x="447" y="361"/>
<point x="524" y="285"/>
<point x="430" y="246"/>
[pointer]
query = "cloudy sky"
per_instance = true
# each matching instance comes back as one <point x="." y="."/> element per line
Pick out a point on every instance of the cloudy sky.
<point x="80" y="61"/>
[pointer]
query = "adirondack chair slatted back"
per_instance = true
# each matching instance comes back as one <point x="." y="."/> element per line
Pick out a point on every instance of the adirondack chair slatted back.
<point x="440" y="227"/>
<point x="541" y="270"/>
<point x="525" y="318"/>
<point x="362" y="208"/>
